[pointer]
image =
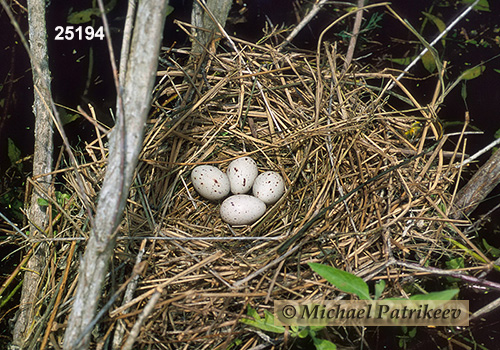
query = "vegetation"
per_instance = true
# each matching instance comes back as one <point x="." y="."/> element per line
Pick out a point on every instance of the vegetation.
<point x="371" y="162"/>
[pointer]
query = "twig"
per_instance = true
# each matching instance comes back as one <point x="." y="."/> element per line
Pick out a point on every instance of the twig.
<point x="495" y="304"/>
<point x="354" y="36"/>
<point x="26" y="257"/>
<point x="478" y="154"/>
<point x="129" y="293"/>
<point x="50" y="105"/>
<point x="142" y="317"/>
<point x="127" y="38"/>
<point x="162" y="285"/>
<point x="461" y="276"/>
<point x="315" y="9"/>
<point x="155" y="238"/>
<point x="244" y="64"/>
<point x="14" y="226"/>
<point x="123" y="155"/>
<point x="137" y="271"/>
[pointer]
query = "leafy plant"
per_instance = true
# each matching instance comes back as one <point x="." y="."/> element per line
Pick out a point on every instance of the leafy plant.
<point x="14" y="153"/>
<point x="495" y="252"/>
<point x="342" y="280"/>
<point x="370" y="25"/>
<point x="61" y="198"/>
<point x="268" y="324"/>
<point x="482" y="5"/>
<point x="407" y="337"/>
<point x="352" y="284"/>
<point x="347" y="283"/>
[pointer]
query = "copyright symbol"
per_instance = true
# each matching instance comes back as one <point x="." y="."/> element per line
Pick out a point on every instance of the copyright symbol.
<point x="288" y="311"/>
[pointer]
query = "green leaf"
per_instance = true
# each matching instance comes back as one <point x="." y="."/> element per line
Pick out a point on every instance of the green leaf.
<point x="442" y="295"/>
<point x="482" y="5"/>
<point x="436" y="20"/>
<point x="428" y="62"/>
<point x="473" y="72"/>
<point x="42" y="202"/>
<point x="379" y="288"/>
<point x="85" y="16"/>
<point x="463" y="91"/>
<point x="62" y="198"/>
<point x="316" y="328"/>
<point x="67" y="118"/>
<point x="266" y="324"/>
<point x="496" y="70"/>
<point x="413" y="332"/>
<point x="495" y="252"/>
<point x="13" y="152"/>
<point x="441" y="26"/>
<point x="342" y="280"/>
<point x="236" y="343"/>
<point x="402" y="61"/>
<point x="169" y="10"/>
<point x="456" y="263"/>
<point x="303" y="333"/>
<point x="295" y="330"/>
<point x="323" y="344"/>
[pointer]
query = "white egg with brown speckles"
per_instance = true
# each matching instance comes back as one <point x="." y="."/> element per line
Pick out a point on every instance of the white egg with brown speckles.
<point x="242" y="209"/>
<point x="210" y="182"/>
<point x="241" y="173"/>
<point x="269" y="187"/>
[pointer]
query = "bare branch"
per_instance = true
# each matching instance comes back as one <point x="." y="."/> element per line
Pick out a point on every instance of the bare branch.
<point x="42" y="164"/>
<point x="314" y="11"/>
<point x="125" y="146"/>
<point x="354" y="36"/>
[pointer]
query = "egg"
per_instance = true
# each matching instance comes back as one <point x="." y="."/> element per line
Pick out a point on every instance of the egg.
<point x="242" y="173"/>
<point x="242" y="209"/>
<point x="269" y="187"/>
<point x="210" y="182"/>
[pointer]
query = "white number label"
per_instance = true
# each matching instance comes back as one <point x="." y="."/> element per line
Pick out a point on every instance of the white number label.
<point x="79" y="33"/>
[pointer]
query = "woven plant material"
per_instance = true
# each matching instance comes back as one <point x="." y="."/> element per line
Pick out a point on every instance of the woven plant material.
<point x="327" y="134"/>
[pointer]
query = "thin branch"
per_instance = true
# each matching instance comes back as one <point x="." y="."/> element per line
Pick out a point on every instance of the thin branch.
<point x="354" y="36"/>
<point x="124" y="151"/>
<point x="479" y="153"/>
<point x="435" y="271"/>
<point x="314" y="11"/>
<point x="14" y="226"/>
<point x="134" y="333"/>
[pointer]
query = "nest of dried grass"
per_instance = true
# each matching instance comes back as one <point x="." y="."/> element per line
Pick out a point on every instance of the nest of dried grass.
<point x="326" y="133"/>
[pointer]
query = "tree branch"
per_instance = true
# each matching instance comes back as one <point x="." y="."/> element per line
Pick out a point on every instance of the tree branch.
<point x="42" y="164"/>
<point x="124" y="151"/>
<point x="354" y="36"/>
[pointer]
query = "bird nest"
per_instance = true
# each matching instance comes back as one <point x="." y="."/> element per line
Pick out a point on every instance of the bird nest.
<point x="368" y="181"/>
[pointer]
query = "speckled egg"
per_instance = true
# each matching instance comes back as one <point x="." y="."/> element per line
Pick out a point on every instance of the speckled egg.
<point x="210" y="182"/>
<point x="269" y="187"/>
<point x="242" y="173"/>
<point x="242" y="209"/>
